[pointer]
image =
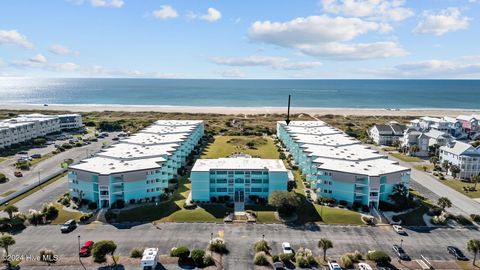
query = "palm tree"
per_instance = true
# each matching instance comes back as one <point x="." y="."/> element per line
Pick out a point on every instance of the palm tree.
<point x="10" y="209"/>
<point x="446" y="165"/>
<point x="414" y="149"/>
<point x="434" y="160"/>
<point x="454" y="169"/>
<point x="6" y="240"/>
<point x="325" y="244"/>
<point x="444" y="202"/>
<point x="473" y="246"/>
<point x="474" y="180"/>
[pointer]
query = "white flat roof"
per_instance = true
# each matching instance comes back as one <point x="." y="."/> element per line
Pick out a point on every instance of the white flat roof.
<point x="159" y="129"/>
<point x="106" y="166"/>
<point x="331" y="140"/>
<point x="373" y="167"/>
<point x="133" y="151"/>
<point x="155" y="139"/>
<point x="356" y="152"/>
<point x="178" y="122"/>
<point x="239" y="163"/>
<point x="320" y="130"/>
<point x="304" y="123"/>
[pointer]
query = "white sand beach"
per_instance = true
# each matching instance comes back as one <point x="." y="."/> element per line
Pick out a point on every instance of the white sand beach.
<point x="244" y="110"/>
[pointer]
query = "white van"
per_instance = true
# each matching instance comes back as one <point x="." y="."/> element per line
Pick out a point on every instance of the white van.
<point x="149" y="259"/>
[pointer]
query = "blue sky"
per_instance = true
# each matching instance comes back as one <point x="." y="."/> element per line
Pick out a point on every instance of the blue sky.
<point x="240" y="39"/>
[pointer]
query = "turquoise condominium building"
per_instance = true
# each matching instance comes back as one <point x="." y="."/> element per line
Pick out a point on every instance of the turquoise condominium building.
<point x="138" y="167"/>
<point x="239" y="178"/>
<point x="339" y="166"/>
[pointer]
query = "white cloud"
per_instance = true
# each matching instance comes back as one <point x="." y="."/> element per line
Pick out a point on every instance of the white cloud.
<point x="327" y="37"/>
<point x="39" y="58"/>
<point x="387" y="10"/>
<point x="269" y="61"/>
<point x="165" y="12"/>
<point x="101" y="71"/>
<point x="231" y="73"/>
<point x="463" y="67"/>
<point x="107" y="3"/>
<point x="446" y="20"/>
<point x="211" y="15"/>
<point x="60" y="49"/>
<point x="15" y="38"/>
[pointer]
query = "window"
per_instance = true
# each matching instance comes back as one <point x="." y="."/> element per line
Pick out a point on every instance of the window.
<point x="265" y="181"/>
<point x="221" y="181"/>
<point x="265" y="189"/>
<point x="256" y="189"/>
<point x="221" y="189"/>
<point x="239" y="181"/>
<point x="256" y="181"/>
<point x="212" y="189"/>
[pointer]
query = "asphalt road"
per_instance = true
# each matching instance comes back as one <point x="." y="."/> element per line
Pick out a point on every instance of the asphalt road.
<point x="48" y="166"/>
<point x="240" y="238"/>
<point x="432" y="189"/>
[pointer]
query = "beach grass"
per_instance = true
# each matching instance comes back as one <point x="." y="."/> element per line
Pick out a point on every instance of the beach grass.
<point x="224" y="146"/>
<point x="458" y="185"/>
<point x="6" y="193"/>
<point x="405" y="158"/>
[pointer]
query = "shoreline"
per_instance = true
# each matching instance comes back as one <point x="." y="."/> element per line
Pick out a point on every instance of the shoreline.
<point x="243" y="110"/>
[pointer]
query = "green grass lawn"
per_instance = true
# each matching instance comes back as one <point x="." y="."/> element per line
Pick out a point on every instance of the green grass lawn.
<point x="429" y="167"/>
<point x="26" y="194"/>
<point x="458" y="186"/>
<point x="389" y="149"/>
<point x="6" y="193"/>
<point x="415" y="217"/>
<point x="224" y="146"/>
<point x="64" y="215"/>
<point x="405" y="157"/>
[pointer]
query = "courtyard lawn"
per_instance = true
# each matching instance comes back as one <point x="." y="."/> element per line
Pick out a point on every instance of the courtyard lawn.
<point x="224" y="146"/>
<point x="405" y="158"/>
<point x="458" y="186"/>
<point x="64" y="215"/>
<point x="415" y="217"/>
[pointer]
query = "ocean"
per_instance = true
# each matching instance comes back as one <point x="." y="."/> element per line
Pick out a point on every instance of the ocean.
<point x="401" y="94"/>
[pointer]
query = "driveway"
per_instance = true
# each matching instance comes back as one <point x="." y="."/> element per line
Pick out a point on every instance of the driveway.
<point x="240" y="238"/>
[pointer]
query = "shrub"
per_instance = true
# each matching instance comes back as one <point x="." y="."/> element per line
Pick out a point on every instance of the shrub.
<point x="48" y="256"/>
<point x="434" y="211"/>
<point x="65" y="201"/>
<point x="439" y="220"/>
<point x="86" y="217"/>
<point x="261" y="245"/>
<point x="92" y="205"/>
<point x="181" y="252"/>
<point x="50" y="212"/>
<point x="208" y="260"/>
<point x="475" y="217"/>
<point x="302" y="262"/>
<point x="260" y="259"/>
<point x="304" y="258"/>
<point x="379" y="257"/>
<point x="101" y="249"/>
<point x="218" y="245"/>
<point x="109" y="215"/>
<point x="35" y="217"/>
<point x="285" y="202"/>
<point x="136" y="253"/>
<point x="3" y="178"/>
<point x="67" y="146"/>
<point x="275" y="258"/>
<point x="463" y="220"/>
<point x="286" y="257"/>
<point x="346" y="261"/>
<point x="39" y="141"/>
<point x="198" y="256"/>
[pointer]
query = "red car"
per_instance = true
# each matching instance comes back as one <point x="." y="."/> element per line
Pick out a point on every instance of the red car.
<point x="18" y="174"/>
<point x="86" y="249"/>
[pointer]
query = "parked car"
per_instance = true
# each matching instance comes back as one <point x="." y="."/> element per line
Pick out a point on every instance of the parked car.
<point x="86" y="249"/>
<point x="278" y="265"/>
<point x="400" y="253"/>
<point x="115" y="139"/>
<point x="399" y="229"/>
<point x="333" y="265"/>
<point x="364" y="266"/>
<point x="18" y="174"/>
<point x="36" y="156"/>
<point x="22" y="153"/>
<point x="68" y="226"/>
<point x="286" y="248"/>
<point x="457" y="253"/>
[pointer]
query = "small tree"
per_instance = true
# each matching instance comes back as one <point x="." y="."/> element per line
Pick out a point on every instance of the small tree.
<point x="325" y="244"/>
<point x="434" y="160"/>
<point x="414" y="149"/>
<point x="285" y="202"/>
<point x="379" y="257"/>
<point x="473" y="246"/>
<point x="198" y="256"/>
<point x="261" y="245"/>
<point x="260" y="259"/>
<point x="181" y="252"/>
<point x="10" y="210"/>
<point x="446" y="165"/>
<point x="6" y="241"/>
<point x="136" y="253"/>
<point x="474" y="180"/>
<point x="444" y="202"/>
<point x="454" y="170"/>
<point x="102" y="249"/>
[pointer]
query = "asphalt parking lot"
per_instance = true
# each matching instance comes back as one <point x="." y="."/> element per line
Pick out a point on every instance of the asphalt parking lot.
<point x="240" y="238"/>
